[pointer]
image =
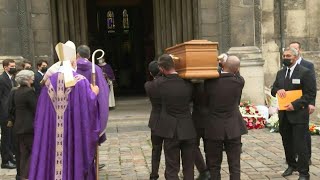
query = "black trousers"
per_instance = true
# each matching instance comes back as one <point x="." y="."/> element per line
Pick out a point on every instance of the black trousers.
<point x="17" y="153"/>
<point x="308" y="140"/>
<point x="157" y="142"/>
<point x="172" y="149"/>
<point x="199" y="161"/>
<point x="6" y="143"/>
<point x="294" y="143"/>
<point x="214" y="151"/>
<point x="25" y="146"/>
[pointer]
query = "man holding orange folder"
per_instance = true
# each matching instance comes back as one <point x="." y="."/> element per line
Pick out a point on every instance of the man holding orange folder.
<point x="294" y="117"/>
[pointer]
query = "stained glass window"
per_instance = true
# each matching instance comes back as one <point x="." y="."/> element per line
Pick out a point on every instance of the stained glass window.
<point x="110" y="21"/>
<point x="125" y="19"/>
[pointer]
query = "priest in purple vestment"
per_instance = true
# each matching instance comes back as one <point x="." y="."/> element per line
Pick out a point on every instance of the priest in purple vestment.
<point x="109" y="76"/>
<point x="84" y="67"/>
<point x="66" y="129"/>
<point x="106" y="69"/>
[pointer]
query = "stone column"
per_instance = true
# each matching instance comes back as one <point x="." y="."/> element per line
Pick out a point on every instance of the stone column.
<point x="242" y="23"/>
<point x="251" y="69"/>
<point x="245" y="42"/>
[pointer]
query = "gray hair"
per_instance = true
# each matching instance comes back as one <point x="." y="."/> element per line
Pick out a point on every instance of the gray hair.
<point x="102" y="60"/>
<point x="24" y="76"/>
<point x="84" y="51"/>
<point x="293" y="51"/>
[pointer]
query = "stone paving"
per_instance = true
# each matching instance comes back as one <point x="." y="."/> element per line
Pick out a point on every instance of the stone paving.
<point x="127" y="152"/>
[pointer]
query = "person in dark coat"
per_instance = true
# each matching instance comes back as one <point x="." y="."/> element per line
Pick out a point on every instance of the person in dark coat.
<point x="199" y="115"/>
<point x="223" y="124"/>
<point x="7" y="82"/>
<point x="310" y="66"/>
<point x="294" y="121"/>
<point x="27" y="65"/>
<point x="175" y="124"/>
<point x="154" y="95"/>
<point x="222" y="59"/>
<point x="42" y="66"/>
<point x="22" y="111"/>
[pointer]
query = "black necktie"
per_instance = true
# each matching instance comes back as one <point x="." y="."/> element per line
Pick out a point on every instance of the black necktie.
<point x="287" y="80"/>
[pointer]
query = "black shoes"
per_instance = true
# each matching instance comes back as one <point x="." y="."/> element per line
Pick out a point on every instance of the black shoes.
<point x="304" y="178"/>
<point x="8" y="165"/>
<point x="204" y="175"/>
<point x="288" y="171"/>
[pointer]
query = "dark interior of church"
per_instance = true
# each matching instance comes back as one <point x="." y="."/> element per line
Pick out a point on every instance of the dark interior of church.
<point x="125" y="31"/>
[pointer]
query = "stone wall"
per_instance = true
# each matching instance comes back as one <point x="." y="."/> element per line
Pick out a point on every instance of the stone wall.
<point x="41" y="30"/>
<point x="209" y="20"/>
<point x="301" y="23"/>
<point x="25" y="29"/>
<point x="9" y="31"/>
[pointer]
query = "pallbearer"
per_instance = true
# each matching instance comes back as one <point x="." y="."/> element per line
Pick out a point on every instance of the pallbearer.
<point x="224" y="121"/>
<point x="153" y="93"/>
<point x="175" y="123"/>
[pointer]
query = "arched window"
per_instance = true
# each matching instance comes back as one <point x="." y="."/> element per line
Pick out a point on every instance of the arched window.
<point x="110" y="21"/>
<point x="125" y="19"/>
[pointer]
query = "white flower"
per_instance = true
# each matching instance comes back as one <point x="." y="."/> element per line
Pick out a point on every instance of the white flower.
<point x="273" y="120"/>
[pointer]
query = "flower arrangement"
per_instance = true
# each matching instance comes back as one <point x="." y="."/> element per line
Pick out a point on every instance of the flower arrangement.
<point x="314" y="129"/>
<point x="273" y="123"/>
<point x="251" y="115"/>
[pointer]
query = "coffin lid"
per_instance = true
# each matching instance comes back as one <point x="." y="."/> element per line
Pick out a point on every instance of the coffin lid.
<point x="194" y="42"/>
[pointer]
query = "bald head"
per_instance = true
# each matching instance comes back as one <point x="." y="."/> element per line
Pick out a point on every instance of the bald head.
<point x="232" y="64"/>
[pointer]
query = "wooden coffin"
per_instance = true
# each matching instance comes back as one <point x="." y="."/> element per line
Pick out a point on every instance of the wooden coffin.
<point x="196" y="59"/>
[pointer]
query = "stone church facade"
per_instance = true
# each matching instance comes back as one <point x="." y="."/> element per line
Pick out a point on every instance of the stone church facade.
<point x="255" y="30"/>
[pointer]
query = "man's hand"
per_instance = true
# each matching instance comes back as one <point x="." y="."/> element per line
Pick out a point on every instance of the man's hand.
<point x="95" y="89"/>
<point x="281" y="93"/>
<point x="311" y="108"/>
<point x="9" y="124"/>
<point x="289" y="107"/>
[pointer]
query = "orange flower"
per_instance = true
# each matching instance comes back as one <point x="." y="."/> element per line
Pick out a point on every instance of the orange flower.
<point x="312" y="128"/>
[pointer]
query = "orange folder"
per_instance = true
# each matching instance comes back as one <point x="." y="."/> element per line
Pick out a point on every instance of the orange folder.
<point x="290" y="97"/>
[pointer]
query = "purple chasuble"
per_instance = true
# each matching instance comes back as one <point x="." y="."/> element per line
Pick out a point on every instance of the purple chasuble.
<point x="84" y="67"/>
<point x="66" y="131"/>
<point x="108" y="71"/>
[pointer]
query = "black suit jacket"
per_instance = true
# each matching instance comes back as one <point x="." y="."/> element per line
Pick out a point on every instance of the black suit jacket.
<point x="37" y="86"/>
<point x="306" y="84"/>
<point x="5" y="88"/>
<point x="154" y="95"/>
<point x="310" y="66"/>
<point x="200" y="108"/>
<point x="22" y="109"/>
<point x="225" y="120"/>
<point x="175" y="117"/>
